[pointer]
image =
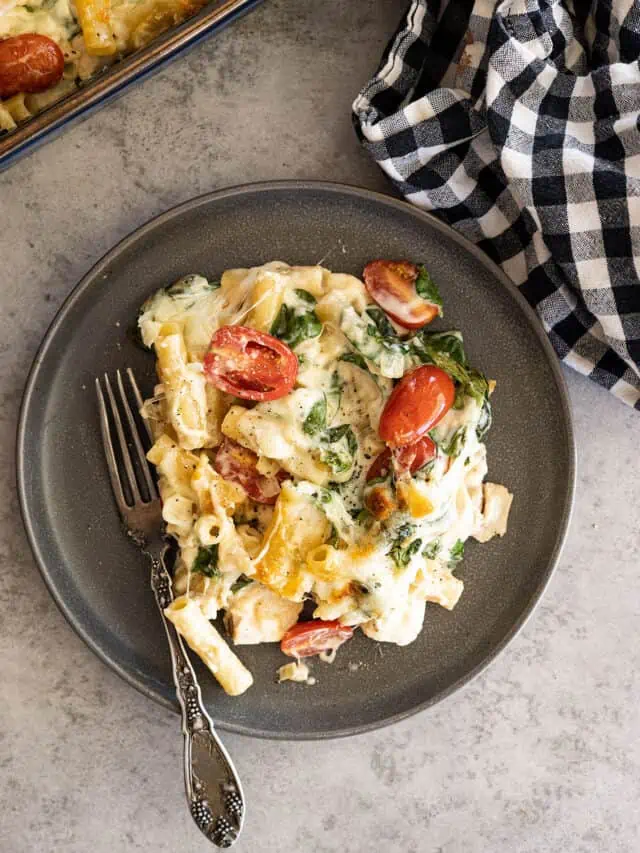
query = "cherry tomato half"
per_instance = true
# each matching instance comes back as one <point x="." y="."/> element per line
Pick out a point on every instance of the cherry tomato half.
<point x="410" y="457"/>
<point x="417" y="403"/>
<point x="392" y="284"/>
<point x="238" y="465"/>
<point x="29" y="63"/>
<point x="310" y="638"/>
<point x="250" y="364"/>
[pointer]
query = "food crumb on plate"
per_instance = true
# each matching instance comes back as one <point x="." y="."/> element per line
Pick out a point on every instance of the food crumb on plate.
<point x="295" y="671"/>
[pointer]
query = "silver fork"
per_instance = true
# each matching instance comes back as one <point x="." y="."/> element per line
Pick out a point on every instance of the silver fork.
<point x="213" y="789"/>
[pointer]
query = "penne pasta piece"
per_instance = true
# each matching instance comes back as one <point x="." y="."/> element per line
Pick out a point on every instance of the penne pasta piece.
<point x="206" y="642"/>
<point x="95" y="21"/>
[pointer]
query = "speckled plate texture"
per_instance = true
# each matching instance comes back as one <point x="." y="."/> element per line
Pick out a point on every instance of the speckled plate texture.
<point x="101" y="581"/>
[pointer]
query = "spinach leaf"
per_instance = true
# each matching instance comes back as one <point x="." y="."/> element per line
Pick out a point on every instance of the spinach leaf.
<point x="454" y="445"/>
<point x="382" y="324"/>
<point x="206" y="562"/>
<point x="405" y="530"/>
<point x="305" y="296"/>
<point x="292" y="328"/>
<point x="428" y="289"/>
<point x="445" y="361"/>
<point x="306" y="326"/>
<point x="432" y="549"/>
<point x="242" y="581"/>
<point x="485" y="419"/>
<point x="342" y="448"/>
<point x="391" y="350"/>
<point x="450" y="343"/>
<point x="458" y="401"/>
<point x="280" y="326"/>
<point x="476" y="386"/>
<point x="316" y="420"/>
<point x="472" y="382"/>
<point x="354" y="358"/>
<point x="446" y="350"/>
<point x="456" y="553"/>
<point x="338" y="433"/>
<point x="372" y="335"/>
<point x="399" y="553"/>
<point x="409" y="551"/>
<point x="337" y="460"/>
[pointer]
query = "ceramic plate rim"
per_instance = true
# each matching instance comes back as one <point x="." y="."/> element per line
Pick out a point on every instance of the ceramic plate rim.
<point x="366" y="196"/>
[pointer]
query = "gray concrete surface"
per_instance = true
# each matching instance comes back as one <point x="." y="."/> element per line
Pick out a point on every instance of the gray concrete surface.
<point x="539" y="755"/>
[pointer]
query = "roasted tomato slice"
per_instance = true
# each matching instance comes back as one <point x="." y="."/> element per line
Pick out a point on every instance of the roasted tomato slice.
<point x="410" y="457"/>
<point x="417" y="403"/>
<point x="238" y="465"/>
<point x="306" y="639"/>
<point x="250" y="364"/>
<point x="392" y="284"/>
<point x="29" y="63"/>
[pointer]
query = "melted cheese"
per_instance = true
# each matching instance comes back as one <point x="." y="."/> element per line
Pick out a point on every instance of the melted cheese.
<point x="56" y="20"/>
<point x="276" y="430"/>
<point x="318" y="541"/>
<point x="258" y="615"/>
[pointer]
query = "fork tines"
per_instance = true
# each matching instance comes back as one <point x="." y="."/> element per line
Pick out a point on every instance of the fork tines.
<point x="126" y="455"/>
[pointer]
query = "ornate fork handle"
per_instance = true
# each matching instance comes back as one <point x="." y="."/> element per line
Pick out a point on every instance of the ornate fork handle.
<point x="213" y="788"/>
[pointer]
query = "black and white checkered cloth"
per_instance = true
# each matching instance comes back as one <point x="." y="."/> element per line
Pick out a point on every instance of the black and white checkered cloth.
<point x="518" y="123"/>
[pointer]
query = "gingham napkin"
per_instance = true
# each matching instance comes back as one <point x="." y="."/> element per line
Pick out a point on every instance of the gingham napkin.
<point x="517" y="123"/>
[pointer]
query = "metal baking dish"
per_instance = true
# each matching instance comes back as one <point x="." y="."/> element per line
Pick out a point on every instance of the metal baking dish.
<point x="114" y="80"/>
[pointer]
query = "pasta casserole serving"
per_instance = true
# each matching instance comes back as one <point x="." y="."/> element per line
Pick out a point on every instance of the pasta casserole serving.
<point x="48" y="47"/>
<point x="318" y="446"/>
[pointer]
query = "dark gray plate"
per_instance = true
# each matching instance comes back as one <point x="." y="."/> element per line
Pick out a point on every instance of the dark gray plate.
<point x="100" y="581"/>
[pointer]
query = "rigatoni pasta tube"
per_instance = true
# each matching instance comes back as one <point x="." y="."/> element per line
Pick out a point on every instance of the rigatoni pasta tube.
<point x="207" y="643"/>
<point x="184" y="388"/>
